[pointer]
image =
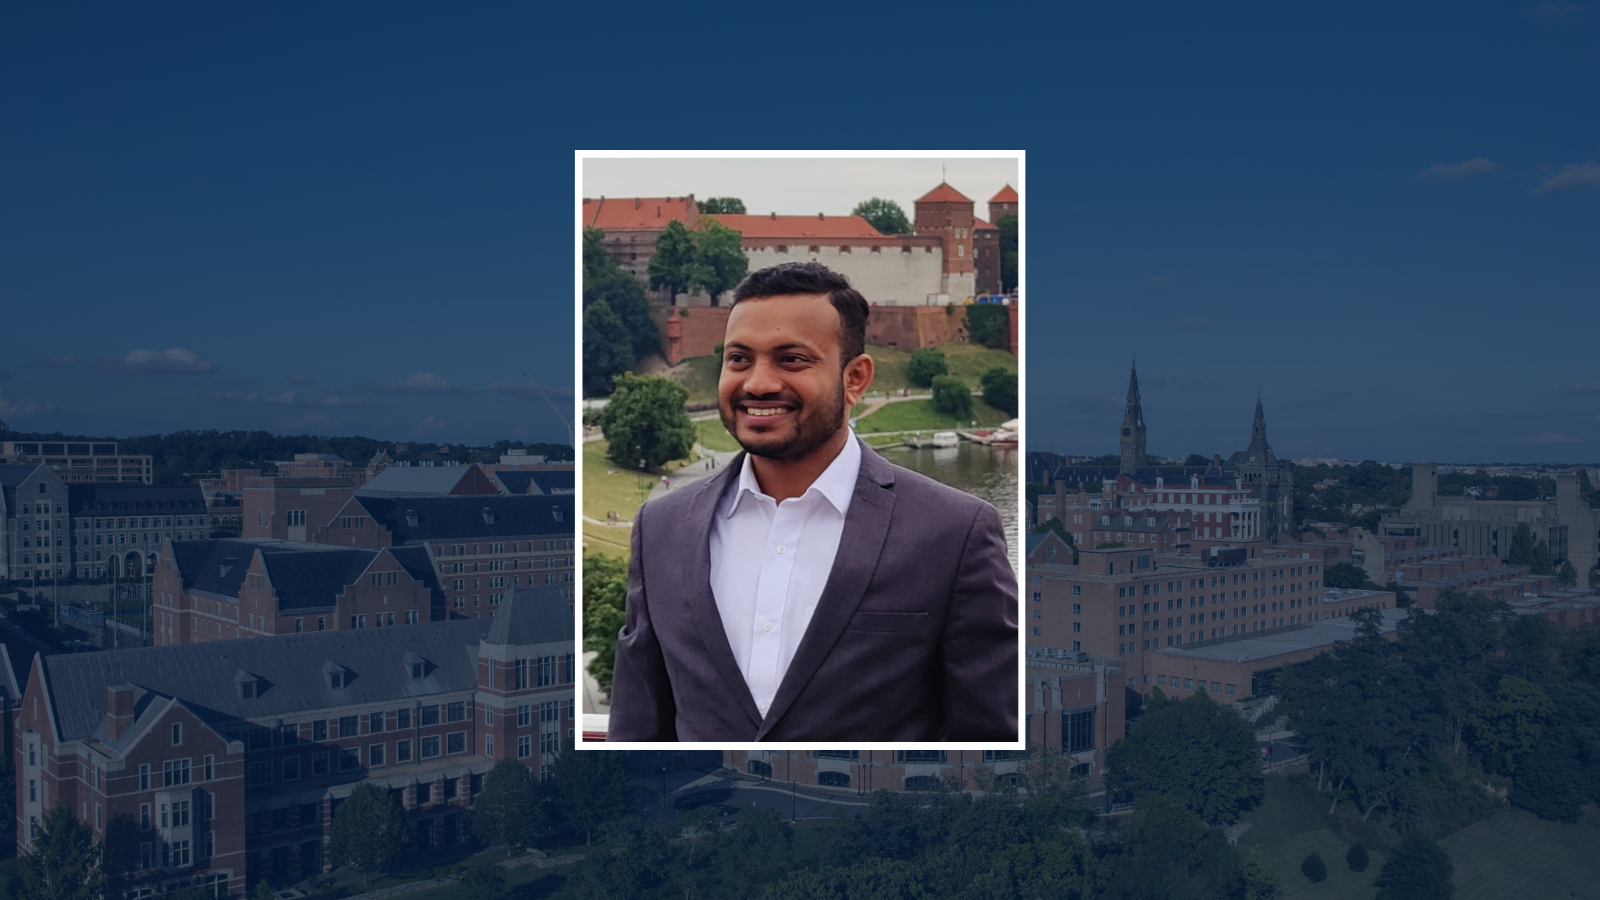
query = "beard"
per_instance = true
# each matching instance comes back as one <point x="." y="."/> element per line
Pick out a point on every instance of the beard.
<point x="812" y="428"/>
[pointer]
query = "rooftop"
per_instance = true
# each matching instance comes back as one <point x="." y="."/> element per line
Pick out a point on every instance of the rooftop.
<point x="944" y="193"/>
<point x="774" y="226"/>
<point x="634" y="213"/>
<point x="1313" y="636"/>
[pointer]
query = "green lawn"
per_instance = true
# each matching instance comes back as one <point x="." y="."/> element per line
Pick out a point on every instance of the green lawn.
<point x="1517" y="854"/>
<point x="919" y="415"/>
<point x="701" y="378"/>
<point x="607" y="487"/>
<point x="712" y="436"/>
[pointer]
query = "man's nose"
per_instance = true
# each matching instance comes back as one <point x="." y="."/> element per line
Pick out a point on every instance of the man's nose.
<point x="763" y="378"/>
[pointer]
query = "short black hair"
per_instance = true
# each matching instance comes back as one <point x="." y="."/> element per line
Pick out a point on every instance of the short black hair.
<point x="814" y="278"/>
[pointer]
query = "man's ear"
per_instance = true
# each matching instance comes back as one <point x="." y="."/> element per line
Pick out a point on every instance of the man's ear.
<point x="857" y="378"/>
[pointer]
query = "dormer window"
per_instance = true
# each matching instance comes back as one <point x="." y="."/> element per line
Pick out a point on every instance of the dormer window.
<point x="411" y="518"/>
<point x="338" y="677"/>
<point x="416" y="667"/>
<point x="248" y="687"/>
<point x="335" y="680"/>
<point x="488" y="516"/>
<point x="557" y="514"/>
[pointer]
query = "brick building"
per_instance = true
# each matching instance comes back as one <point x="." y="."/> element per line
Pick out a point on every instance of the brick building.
<point x="1004" y="203"/>
<point x="947" y="213"/>
<point x="632" y="224"/>
<point x="223" y="766"/>
<point x="377" y="562"/>
<point x="985" y="257"/>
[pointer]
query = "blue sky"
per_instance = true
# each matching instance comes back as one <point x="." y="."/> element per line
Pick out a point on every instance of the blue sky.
<point x="368" y="208"/>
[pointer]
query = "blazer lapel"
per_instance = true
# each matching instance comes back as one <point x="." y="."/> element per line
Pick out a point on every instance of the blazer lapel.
<point x="696" y="587"/>
<point x="866" y="527"/>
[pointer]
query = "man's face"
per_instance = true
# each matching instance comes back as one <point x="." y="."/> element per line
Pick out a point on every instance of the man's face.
<point x="783" y="391"/>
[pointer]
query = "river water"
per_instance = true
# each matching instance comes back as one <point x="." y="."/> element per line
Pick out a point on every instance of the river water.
<point x="987" y="472"/>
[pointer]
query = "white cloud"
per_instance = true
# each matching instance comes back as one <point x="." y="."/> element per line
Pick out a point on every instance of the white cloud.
<point x="287" y="398"/>
<point x="21" y="407"/>
<point x="420" y="383"/>
<point x="1456" y="171"/>
<point x="1556" y="9"/>
<point x="1572" y="178"/>
<point x="176" y="361"/>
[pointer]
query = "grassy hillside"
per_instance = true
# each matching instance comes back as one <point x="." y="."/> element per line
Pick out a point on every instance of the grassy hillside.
<point x="966" y="361"/>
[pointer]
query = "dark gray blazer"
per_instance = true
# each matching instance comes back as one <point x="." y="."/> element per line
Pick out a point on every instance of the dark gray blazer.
<point x="914" y="638"/>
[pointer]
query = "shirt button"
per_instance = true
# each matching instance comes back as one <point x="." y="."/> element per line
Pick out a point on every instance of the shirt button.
<point x="780" y="549"/>
<point x="766" y="626"/>
<point x="763" y="708"/>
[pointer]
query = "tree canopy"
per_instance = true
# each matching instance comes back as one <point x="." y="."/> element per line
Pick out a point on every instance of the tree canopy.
<point x="673" y="260"/>
<point x="989" y="324"/>
<point x="511" y="808"/>
<point x="952" y="397"/>
<point x="925" y="365"/>
<point x="592" y="786"/>
<point x="1196" y="751"/>
<point x="645" y="423"/>
<point x="884" y="215"/>
<point x="605" y="598"/>
<point x="1008" y="252"/>
<point x="1000" y="389"/>
<point x="714" y="205"/>
<point x="709" y="258"/>
<point x="64" y="862"/>
<point x="368" y="832"/>
<point x="1418" y="869"/>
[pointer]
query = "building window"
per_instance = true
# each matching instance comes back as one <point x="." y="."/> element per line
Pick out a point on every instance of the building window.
<point x="402" y="751"/>
<point x="524" y="715"/>
<point x="319" y="730"/>
<point x="174" y="772"/>
<point x="402" y="718"/>
<point x="456" y="711"/>
<point x="348" y="726"/>
<point x="291" y="768"/>
<point x="349" y="759"/>
<point x="456" y="742"/>
<point x="260" y="773"/>
<point x="144" y="772"/>
<point x="488" y="745"/>
<point x="1077" y="732"/>
<point x="319" y="765"/>
<point x="375" y="723"/>
<point x="833" y="779"/>
<point x="428" y="715"/>
<point x="177" y="733"/>
<point x="920" y="756"/>
<point x="144" y="816"/>
<point x="430" y="747"/>
<point x="524" y="747"/>
<point x="375" y="755"/>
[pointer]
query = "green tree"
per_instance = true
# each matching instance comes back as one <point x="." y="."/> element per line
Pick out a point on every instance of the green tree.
<point x="607" y="348"/>
<point x="368" y="832"/>
<point x="1195" y="459"/>
<point x="1418" y="869"/>
<point x="592" y="786"/>
<point x="1008" y="252"/>
<point x="1507" y="728"/>
<point x="1344" y="576"/>
<point x="884" y="215"/>
<point x="263" y="891"/>
<point x="8" y="794"/>
<point x="1580" y="655"/>
<point x="728" y="205"/>
<point x="605" y="602"/>
<point x="64" y="862"/>
<point x="1356" y="857"/>
<point x="1000" y="389"/>
<point x="1196" y="751"/>
<point x="1542" y="565"/>
<point x="673" y="258"/>
<point x="1521" y="546"/>
<point x="925" y="365"/>
<point x="645" y="422"/>
<point x="989" y="324"/>
<point x="1567" y="576"/>
<point x="510" y="808"/>
<point x="1314" y="868"/>
<point x="605" y="279"/>
<point x="952" y="397"/>
<point x="719" y="260"/>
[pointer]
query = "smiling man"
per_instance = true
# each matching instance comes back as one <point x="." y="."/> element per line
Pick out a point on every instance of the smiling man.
<point x="812" y="591"/>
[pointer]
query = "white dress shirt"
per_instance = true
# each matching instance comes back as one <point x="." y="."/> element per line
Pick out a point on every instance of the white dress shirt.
<point x="770" y="562"/>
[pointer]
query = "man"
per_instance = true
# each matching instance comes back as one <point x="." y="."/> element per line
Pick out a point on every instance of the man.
<point x="812" y="591"/>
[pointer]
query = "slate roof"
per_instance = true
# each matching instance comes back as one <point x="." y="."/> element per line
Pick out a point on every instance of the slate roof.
<point x="416" y="563"/>
<point x="1031" y="541"/>
<point x="414" y="480"/>
<point x="462" y="518"/>
<point x="305" y="580"/>
<point x="113" y="498"/>
<point x="541" y="615"/>
<point x="288" y="670"/>
<point x="544" y="482"/>
<point x="11" y="476"/>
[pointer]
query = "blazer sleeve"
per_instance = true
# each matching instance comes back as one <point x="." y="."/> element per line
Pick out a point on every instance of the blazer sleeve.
<point x="642" y="707"/>
<point x="980" y="638"/>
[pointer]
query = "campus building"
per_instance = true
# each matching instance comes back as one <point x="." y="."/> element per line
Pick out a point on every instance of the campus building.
<point x="223" y="765"/>
<point x="80" y="462"/>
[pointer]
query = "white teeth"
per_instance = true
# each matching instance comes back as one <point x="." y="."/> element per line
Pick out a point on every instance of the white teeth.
<point x="764" y="412"/>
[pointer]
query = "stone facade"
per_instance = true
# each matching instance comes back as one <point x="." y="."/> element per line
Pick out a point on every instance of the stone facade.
<point x="1485" y="527"/>
<point x="903" y="270"/>
<point x="80" y="462"/>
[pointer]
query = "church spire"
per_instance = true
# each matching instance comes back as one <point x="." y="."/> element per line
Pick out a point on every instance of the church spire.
<point x="1133" y="431"/>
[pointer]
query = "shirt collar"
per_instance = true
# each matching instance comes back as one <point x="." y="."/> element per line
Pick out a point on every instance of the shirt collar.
<point x="836" y="484"/>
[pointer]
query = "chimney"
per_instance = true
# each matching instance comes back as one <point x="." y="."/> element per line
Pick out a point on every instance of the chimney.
<point x="819" y="217"/>
<point x="119" y="709"/>
<point x="774" y="215"/>
<point x="637" y="202"/>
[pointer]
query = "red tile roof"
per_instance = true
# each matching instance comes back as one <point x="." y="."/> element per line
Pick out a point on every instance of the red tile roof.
<point x="980" y="225"/>
<point x="635" y="213"/>
<point x="775" y="226"/>
<point x="1006" y="195"/>
<point x="944" y="193"/>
